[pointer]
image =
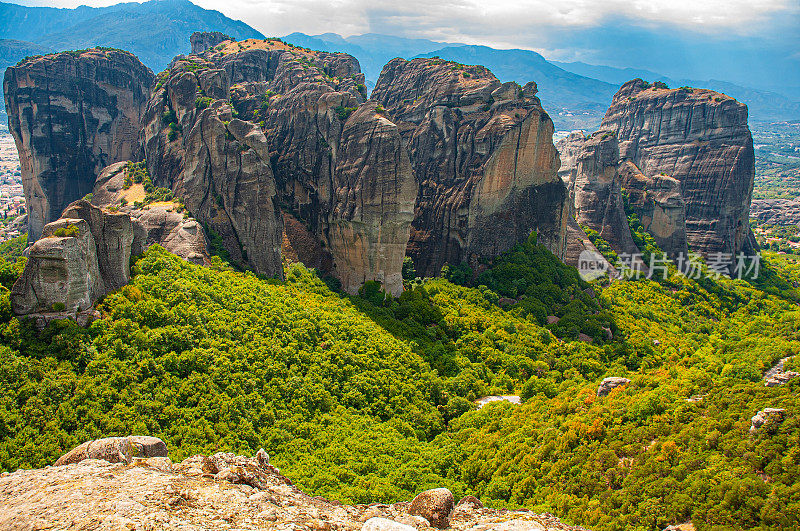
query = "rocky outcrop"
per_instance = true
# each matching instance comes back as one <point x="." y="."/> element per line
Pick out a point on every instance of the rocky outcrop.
<point x="205" y="493"/>
<point x="483" y="157"/>
<point x="768" y="418"/>
<point x="205" y="40"/>
<point x="80" y="257"/>
<point x="217" y="164"/>
<point x="165" y="223"/>
<point x="71" y="115"/>
<point x="595" y="187"/>
<point x="321" y="159"/>
<point x="658" y="203"/>
<point x="609" y="384"/>
<point x="701" y="139"/>
<point x="115" y="450"/>
<point x="776" y="211"/>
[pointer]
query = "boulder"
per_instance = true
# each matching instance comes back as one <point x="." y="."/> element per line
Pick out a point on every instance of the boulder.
<point x="435" y="505"/>
<point x="767" y="417"/>
<point x="609" y="384"/>
<point x="80" y="258"/>
<point x="115" y="450"/>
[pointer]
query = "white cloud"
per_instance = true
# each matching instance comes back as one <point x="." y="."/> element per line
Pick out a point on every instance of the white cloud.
<point x="493" y="22"/>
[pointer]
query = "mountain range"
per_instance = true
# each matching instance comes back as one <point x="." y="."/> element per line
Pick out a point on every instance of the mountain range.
<point x="576" y="94"/>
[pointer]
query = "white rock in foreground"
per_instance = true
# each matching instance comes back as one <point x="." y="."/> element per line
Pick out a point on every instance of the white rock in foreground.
<point x="223" y="491"/>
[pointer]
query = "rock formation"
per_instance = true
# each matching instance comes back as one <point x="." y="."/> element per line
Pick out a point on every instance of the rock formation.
<point x="658" y="203"/>
<point x="435" y="506"/>
<point x="769" y="417"/>
<point x="609" y="384"/>
<point x="165" y="223"/>
<point x="331" y="163"/>
<point x="776" y="211"/>
<point x="595" y="187"/>
<point x="71" y="115"/>
<point x="115" y="450"/>
<point x="80" y="257"/>
<point x="210" y="492"/>
<point x="701" y="139"/>
<point x="205" y="40"/>
<point x="483" y="156"/>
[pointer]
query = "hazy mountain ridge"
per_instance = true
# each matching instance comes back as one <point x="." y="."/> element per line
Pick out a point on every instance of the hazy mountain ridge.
<point x="155" y="31"/>
<point x="575" y="93"/>
<point x="763" y="105"/>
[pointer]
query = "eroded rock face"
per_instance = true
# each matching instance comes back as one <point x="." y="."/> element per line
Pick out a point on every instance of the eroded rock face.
<point x="595" y="187"/>
<point x="162" y="223"/>
<point x="483" y="157"/>
<point x="80" y="257"/>
<point x="336" y="168"/>
<point x="700" y="138"/>
<point x="217" y="164"/>
<point x="71" y="115"/>
<point x="201" y="492"/>
<point x="769" y="417"/>
<point x="658" y="202"/>
<point x="205" y="40"/>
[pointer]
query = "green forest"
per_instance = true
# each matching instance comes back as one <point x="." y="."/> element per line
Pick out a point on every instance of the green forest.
<point x="371" y="398"/>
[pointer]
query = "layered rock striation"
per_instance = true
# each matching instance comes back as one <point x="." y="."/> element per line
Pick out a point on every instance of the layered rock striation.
<point x="483" y="157"/>
<point x="701" y="139"/>
<point x="71" y="115"/>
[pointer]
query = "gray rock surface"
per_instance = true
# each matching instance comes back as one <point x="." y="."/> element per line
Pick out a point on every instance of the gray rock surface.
<point x="700" y="138"/>
<point x="71" y="115"/>
<point x="484" y="159"/>
<point x="609" y="384"/>
<point x="776" y="211"/>
<point x="595" y="187"/>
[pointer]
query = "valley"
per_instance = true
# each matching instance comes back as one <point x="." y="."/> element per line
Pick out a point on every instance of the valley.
<point x="275" y="299"/>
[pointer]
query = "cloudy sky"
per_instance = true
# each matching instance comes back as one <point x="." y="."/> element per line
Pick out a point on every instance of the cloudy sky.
<point x="678" y="37"/>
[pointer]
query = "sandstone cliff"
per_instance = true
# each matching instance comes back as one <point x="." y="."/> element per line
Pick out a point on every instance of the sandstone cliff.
<point x="72" y="114"/>
<point x="80" y="257"/>
<point x="318" y="157"/>
<point x="595" y="187"/>
<point x="701" y="139"/>
<point x="205" y="40"/>
<point x="483" y="157"/>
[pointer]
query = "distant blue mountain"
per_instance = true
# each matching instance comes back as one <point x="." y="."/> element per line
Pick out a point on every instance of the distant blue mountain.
<point x="576" y="94"/>
<point x="763" y="105"/>
<point x="156" y="31"/>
